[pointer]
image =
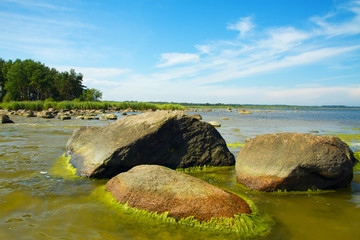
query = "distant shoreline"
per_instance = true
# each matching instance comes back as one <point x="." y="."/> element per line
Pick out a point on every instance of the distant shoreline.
<point x="106" y="105"/>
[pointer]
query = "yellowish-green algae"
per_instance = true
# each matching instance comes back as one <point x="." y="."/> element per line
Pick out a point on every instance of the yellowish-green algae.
<point x="63" y="168"/>
<point x="235" y="145"/>
<point x="251" y="225"/>
<point x="255" y="224"/>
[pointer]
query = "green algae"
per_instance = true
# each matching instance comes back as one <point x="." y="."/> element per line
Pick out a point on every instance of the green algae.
<point x="235" y="145"/>
<point x="348" y="138"/>
<point x="63" y="168"/>
<point x="251" y="225"/>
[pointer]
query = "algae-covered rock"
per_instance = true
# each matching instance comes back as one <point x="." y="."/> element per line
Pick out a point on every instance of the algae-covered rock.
<point x="294" y="161"/>
<point x="171" y="139"/>
<point x="160" y="189"/>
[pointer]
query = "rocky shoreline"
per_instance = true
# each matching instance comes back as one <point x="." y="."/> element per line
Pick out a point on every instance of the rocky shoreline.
<point x="138" y="155"/>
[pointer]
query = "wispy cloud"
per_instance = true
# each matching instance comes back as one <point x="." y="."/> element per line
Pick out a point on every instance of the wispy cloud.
<point x="46" y="32"/>
<point x="244" y="25"/>
<point x="170" y="59"/>
<point x="272" y="50"/>
<point x="331" y="26"/>
<point x="259" y="53"/>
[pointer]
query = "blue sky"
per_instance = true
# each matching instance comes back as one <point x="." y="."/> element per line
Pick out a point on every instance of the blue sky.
<point x="300" y="52"/>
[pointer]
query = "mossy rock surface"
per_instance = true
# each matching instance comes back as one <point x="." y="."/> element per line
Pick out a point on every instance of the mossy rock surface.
<point x="160" y="189"/>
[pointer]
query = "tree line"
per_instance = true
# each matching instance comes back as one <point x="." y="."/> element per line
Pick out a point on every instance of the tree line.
<point x="31" y="81"/>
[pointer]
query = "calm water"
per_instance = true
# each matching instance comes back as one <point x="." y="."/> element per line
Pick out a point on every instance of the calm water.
<point x="36" y="202"/>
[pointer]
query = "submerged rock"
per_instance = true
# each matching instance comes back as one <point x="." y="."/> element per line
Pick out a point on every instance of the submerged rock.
<point x="171" y="139"/>
<point x="110" y="116"/>
<point x="46" y="114"/>
<point x="5" y="118"/>
<point x="160" y="189"/>
<point x="64" y="117"/>
<point x="29" y="113"/>
<point x="294" y="161"/>
<point x="243" y="111"/>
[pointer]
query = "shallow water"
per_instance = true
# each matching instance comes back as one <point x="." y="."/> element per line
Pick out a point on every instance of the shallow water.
<point x="38" y="203"/>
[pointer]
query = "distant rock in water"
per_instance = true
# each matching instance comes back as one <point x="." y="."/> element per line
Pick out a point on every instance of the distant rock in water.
<point x="215" y="124"/>
<point x="294" y="161"/>
<point x="5" y="118"/>
<point x="243" y="111"/>
<point x="160" y="189"/>
<point x="171" y="139"/>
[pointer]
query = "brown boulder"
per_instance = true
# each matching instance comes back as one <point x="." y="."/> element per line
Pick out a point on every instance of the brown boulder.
<point x="160" y="189"/>
<point x="294" y="161"/>
<point x="171" y="139"/>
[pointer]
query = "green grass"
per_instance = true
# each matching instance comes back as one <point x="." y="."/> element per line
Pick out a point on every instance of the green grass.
<point x="44" y="105"/>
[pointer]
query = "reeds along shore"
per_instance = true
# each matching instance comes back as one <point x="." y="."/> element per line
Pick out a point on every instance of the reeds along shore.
<point x="44" y="105"/>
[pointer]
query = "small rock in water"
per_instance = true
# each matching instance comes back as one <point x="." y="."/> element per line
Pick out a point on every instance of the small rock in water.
<point x="5" y="119"/>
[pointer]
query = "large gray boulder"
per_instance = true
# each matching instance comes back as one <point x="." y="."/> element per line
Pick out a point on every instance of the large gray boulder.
<point x="160" y="189"/>
<point x="171" y="139"/>
<point x="294" y="161"/>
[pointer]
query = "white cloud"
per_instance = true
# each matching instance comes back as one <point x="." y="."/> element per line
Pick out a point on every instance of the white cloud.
<point x="316" y="96"/>
<point x="187" y="79"/>
<point x="221" y="70"/>
<point x="171" y="59"/>
<point x="180" y="92"/>
<point x="283" y="39"/>
<point x="204" y="49"/>
<point x="244" y="25"/>
<point x="330" y="26"/>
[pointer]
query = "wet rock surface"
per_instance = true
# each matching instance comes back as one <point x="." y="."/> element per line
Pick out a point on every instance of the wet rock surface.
<point x="171" y="139"/>
<point x="294" y="161"/>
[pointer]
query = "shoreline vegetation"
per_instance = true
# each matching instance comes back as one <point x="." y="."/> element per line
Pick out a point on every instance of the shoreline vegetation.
<point x="107" y="105"/>
<point x="87" y="105"/>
